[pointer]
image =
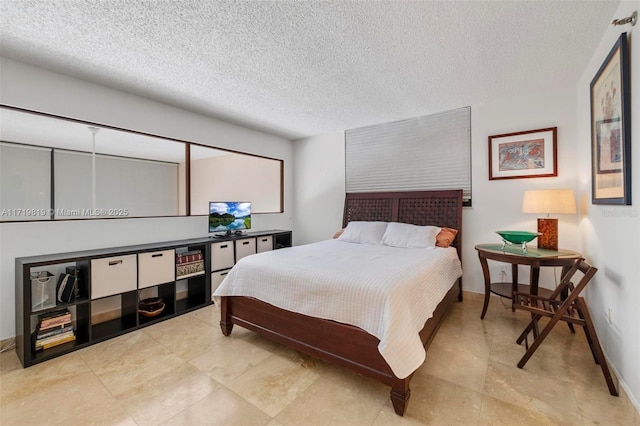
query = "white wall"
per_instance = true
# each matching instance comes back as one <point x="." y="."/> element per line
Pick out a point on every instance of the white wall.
<point x="319" y="187"/>
<point x="37" y="89"/>
<point x="497" y="204"/>
<point x="611" y="234"/>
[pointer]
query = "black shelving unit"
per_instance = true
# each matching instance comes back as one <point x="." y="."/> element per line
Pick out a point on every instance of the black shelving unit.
<point x="84" y="309"/>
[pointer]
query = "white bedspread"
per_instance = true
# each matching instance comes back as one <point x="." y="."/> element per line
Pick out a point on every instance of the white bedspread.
<point x="389" y="292"/>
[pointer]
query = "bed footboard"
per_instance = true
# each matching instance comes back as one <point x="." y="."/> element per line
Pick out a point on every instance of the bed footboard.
<point x="334" y="342"/>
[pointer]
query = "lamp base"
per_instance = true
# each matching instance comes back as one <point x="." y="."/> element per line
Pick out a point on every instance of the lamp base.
<point x="549" y="230"/>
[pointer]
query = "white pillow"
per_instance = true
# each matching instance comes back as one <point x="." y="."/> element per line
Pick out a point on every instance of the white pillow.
<point x="364" y="232"/>
<point x="406" y="235"/>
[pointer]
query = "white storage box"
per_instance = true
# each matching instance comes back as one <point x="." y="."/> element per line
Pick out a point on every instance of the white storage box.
<point x="222" y="255"/>
<point x="113" y="275"/>
<point x="245" y="247"/>
<point x="156" y="268"/>
<point x="216" y="279"/>
<point x="265" y="244"/>
<point x="43" y="290"/>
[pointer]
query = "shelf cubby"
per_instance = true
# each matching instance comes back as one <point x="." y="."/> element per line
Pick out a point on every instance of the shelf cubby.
<point x="196" y="295"/>
<point x="80" y="322"/>
<point x="125" y="321"/>
<point x="168" y="294"/>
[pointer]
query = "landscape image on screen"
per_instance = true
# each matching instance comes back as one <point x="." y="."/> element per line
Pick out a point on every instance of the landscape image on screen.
<point x="229" y="216"/>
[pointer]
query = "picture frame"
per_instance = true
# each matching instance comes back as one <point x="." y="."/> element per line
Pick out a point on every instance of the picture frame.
<point x="611" y="128"/>
<point x="528" y="154"/>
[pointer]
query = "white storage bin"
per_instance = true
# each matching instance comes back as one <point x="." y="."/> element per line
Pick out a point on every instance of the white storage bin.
<point x="265" y="243"/>
<point x="113" y="275"/>
<point x="43" y="290"/>
<point x="156" y="267"/>
<point x="217" y="278"/>
<point x="245" y="247"/>
<point x="222" y="255"/>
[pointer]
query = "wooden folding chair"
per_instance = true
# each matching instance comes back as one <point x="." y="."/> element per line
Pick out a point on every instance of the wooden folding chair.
<point x="564" y="304"/>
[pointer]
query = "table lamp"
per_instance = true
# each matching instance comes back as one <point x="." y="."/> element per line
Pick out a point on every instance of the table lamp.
<point x="549" y="201"/>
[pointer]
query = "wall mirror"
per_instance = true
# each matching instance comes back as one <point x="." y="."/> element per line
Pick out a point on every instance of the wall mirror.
<point x="226" y="176"/>
<point x="58" y="168"/>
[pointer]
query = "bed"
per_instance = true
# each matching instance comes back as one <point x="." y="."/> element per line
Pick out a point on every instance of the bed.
<point x="341" y="343"/>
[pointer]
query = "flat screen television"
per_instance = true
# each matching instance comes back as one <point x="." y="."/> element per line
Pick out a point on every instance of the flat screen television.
<point x="229" y="217"/>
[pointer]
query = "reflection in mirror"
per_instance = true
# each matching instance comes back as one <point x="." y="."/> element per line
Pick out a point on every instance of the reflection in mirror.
<point x="218" y="175"/>
<point x="25" y="173"/>
<point x="57" y="168"/>
<point x="98" y="172"/>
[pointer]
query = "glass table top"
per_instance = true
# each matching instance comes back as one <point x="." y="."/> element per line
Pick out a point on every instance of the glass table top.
<point x="532" y="252"/>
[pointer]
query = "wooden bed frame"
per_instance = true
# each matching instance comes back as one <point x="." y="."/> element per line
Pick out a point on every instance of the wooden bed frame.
<point x="347" y="345"/>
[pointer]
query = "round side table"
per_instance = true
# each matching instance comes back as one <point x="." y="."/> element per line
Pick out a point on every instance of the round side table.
<point x="534" y="257"/>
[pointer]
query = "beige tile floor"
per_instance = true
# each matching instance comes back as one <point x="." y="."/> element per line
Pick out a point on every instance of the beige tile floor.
<point x="184" y="372"/>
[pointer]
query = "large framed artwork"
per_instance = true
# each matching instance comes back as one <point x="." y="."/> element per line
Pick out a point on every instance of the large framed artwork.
<point x="611" y="129"/>
<point x="528" y="154"/>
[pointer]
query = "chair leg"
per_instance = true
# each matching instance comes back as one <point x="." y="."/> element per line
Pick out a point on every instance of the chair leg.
<point x="578" y="307"/>
<point x="527" y="330"/>
<point x="532" y="326"/>
<point x="540" y="337"/>
<point x="563" y="295"/>
<point x="590" y="329"/>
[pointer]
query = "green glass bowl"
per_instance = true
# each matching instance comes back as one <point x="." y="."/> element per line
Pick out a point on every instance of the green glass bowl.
<point x="517" y="237"/>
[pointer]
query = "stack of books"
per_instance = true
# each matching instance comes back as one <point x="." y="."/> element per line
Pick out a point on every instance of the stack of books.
<point x="54" y="328"/>
<point x="189" y="263"/>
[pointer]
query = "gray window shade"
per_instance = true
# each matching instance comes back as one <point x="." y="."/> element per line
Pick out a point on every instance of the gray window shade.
<point x="423" y="153"/>
<point x="142" y="187"/>
<point x="25" y="182"/>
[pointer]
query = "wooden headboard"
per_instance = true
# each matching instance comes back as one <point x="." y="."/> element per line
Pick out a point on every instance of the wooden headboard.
<point x="437" y="208"/>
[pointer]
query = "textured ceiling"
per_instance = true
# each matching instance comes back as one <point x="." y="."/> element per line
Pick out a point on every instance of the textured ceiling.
<point x="298" y="68"/>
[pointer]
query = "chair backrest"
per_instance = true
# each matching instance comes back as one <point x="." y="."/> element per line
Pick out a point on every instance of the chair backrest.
<point x="567" y="286"/>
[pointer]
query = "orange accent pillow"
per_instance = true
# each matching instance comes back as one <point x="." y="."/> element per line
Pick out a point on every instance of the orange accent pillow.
<point x="337" y="234"/>
<point x="446" y="237"/>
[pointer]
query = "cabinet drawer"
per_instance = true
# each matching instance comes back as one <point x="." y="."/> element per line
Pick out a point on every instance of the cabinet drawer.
<point x="245" y="247"/>
<point x="113" y="275"/>
<point x="265" y="243"/>
<point x="222" y="255"/>
<point x="156" y="267"/>
<point x="216" y="279"/>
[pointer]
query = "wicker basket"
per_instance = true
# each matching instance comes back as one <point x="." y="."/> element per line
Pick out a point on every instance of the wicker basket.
<point x="151" y="307"/>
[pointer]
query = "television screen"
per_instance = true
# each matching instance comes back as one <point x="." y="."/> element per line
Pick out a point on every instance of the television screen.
<point x="229" y="217"/>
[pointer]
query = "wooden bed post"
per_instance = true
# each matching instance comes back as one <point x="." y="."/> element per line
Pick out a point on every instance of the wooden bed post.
<point x="400" y="394"/>
<point x="225" y="316"/>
